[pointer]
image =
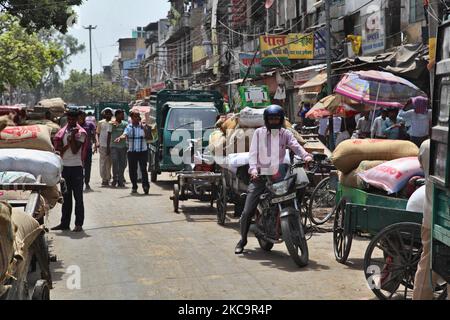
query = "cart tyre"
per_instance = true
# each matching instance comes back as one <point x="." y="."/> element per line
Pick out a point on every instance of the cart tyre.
<point x="316" y="193"/>
<point x="265" y="245"/>
<point x="342" y="242"/>
<point x="294" y="239"/>
<point x="41" y="291"/>
<point x="402" y="243"/>
<point x="222" y="202"/>
<point x="176" y="198"/>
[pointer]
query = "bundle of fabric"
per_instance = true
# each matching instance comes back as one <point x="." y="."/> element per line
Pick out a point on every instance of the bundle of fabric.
<point x="350" y="153"/>
<point x="38" y="163"/>
<point x="37" y="137"/>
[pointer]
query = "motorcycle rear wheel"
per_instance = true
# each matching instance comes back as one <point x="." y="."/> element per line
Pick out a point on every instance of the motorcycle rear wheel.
<point x="294" y="238"/>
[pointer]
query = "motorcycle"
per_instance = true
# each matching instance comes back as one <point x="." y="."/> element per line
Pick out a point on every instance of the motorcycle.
<point x="277" y="218"/>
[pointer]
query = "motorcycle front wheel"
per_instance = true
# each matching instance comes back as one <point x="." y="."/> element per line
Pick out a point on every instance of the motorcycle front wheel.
<point x="295" y="240"/>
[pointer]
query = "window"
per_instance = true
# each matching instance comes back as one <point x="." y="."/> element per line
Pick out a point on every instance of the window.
<point x="416" y="11"/>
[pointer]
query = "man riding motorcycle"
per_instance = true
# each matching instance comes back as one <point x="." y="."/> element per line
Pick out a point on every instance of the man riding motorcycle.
<point x="264" y="162"/>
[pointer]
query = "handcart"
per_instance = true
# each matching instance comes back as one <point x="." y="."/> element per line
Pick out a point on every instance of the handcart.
<point x="19" y="284"/>
<point x="200" y="185"/>
<point x="391" y="259"/>
<point x="231" y="189"/>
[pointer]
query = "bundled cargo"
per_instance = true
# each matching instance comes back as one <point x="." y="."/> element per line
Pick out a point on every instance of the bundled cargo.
<point x="54" y="128"/>
<point x="352" y="179"/>
<point x="5" y="121"/>
<point x="16" y="177"/>
<point x="52" y="196"/>
<point x="56" y="106"/>
<point x="27" y="137"/>
<point x="239" y="140"/>
<point x="251" y="118"/>
<point x="6" y="238"/>
<point x="349" y="154"/>
<point x="39" y="163"/>
<point x="230" y="124"/>
<point x="392" y="176"/>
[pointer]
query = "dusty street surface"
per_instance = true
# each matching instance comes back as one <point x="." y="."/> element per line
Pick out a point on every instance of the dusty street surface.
<point x="135" y="247"/>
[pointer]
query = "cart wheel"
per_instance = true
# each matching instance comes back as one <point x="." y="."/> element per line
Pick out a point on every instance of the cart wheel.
<point x="342" y="241"/>
<point x="321" y="203"/>
<point x="222" y="202"/>
<point x="391" y="259"/>
<point x="176" y="198"/>
<point x="41" y="291"/>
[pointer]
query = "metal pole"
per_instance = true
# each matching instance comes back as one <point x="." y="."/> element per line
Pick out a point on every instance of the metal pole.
<point x="267" y="21"/>
<point x="329" y="83"/>
<point x="90" y="28"/>
<point x="432" y="29"/>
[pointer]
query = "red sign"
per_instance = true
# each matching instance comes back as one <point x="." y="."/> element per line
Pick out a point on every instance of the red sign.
<point x="158" y="86"/>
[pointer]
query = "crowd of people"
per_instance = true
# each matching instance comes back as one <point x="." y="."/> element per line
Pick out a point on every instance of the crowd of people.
<point x="120" y="143"/>
<point x="411" y="123"/>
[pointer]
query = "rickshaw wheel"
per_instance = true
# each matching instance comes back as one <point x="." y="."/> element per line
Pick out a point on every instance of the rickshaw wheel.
<point x="222" y="202"/>
<point x="391" y="259"/>
<point x="342" y="241"/>
<point x="176" y="198"/>
<point x="41" y="291"/>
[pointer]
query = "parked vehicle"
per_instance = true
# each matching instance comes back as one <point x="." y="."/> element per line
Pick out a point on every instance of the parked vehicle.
<point x="179" y="111"/>
<point x="440" y="157"/>
<point x="278" y="213"/>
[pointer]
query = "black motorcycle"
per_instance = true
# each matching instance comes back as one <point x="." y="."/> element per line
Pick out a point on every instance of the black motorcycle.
<point x="278" y="214"/>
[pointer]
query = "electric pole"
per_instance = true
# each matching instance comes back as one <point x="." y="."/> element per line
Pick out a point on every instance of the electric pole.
<point x="90" y="28"/>
<point x="329" y="83"/>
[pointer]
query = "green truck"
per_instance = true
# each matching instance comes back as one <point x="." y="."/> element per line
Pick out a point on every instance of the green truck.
<point x="175" y="115"/>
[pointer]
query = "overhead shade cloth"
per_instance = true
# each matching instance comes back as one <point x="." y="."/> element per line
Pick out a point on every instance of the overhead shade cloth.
<point x="315" y="84"/>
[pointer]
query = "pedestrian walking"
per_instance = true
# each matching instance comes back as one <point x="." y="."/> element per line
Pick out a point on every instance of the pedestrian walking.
<point x="71" y="144"/>
<point x="363" y="126"/>
<point x="90" y="129"/>
<point x="393" y="126"/>
<point x="118" y="149"/>
<point x="104" y="144"/>
<point x="419" y="118"/>
<point x="377" y="126"/>
<point x="137" y="136"/>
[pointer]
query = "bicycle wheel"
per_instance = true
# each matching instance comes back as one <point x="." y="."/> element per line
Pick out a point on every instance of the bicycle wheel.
<point x="322" y="202"/>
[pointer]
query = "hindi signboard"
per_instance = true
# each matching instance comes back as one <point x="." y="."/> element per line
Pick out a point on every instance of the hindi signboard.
<point x="301" y="46"/>
<point x="246" y="60"/>
<point x="274" y="50"/>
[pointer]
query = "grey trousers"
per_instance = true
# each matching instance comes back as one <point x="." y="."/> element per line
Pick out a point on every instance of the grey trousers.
<point x="119" y="164"/>
<point x="255" y="189"/>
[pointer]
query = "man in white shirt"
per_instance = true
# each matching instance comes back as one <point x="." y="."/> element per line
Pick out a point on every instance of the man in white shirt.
<point x="377" y="126"/>
<point x="363" y="126"/>
<point x="71" y="147"/>
<point x="419" y="119"/>
<point x="104" y="129"/>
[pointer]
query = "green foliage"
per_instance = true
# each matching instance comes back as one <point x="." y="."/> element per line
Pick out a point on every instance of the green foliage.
<point x="24" y="59"/>
<point x="36" y="15"/>
<point x="76" y="89"/>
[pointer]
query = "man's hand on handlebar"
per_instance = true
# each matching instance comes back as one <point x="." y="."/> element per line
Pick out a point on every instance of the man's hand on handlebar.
<point x="254" y="177"/>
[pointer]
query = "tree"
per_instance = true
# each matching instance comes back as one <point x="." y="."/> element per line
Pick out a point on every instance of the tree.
<point x="76" y="89"/>
<point x="51" y="83"/>
<point x="24" y="59"/>
<point x="35" y="15"/>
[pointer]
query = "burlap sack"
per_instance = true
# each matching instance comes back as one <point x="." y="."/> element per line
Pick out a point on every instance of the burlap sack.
<point x="53" y="126"/>
<point x="349" y="154"/>
<point x="239" y="140"/>
<point x="251" y="118"/>
<point x="297" y="136"/>
<point x="27" y="137"/>
<point x="6" y="239"/>
<point x="27" y="230"/>
<point x="230" y="124"/>
<point x="4" y="122"/>
<point x="52" y="196"/>
<point x="352" y="179"/>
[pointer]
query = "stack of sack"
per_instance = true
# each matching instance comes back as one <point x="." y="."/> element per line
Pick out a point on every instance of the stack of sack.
<point x="18" y="231"/>
<point x="26" y="152"/>
<point x="54" y="127"/>
<point x="383" y="164"/>
<point x="235" y="133"/>
<point x="56" y="106"/>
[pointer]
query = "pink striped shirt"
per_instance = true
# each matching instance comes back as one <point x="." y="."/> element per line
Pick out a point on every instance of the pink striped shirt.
<point x="266" y="162"/>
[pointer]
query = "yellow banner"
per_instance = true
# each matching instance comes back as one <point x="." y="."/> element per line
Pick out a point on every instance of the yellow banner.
<point x="198" y="53"/>
<point x="301" y="46"/>
<point x="274" y="46"/>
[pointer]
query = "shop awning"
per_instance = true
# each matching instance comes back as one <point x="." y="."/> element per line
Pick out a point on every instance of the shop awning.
<point x="315" y="84"/>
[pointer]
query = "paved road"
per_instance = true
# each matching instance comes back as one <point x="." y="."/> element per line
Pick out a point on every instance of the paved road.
<point x="135" y="247"/>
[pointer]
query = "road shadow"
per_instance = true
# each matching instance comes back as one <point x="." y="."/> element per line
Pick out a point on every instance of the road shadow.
<point x="280" y="260"/>
<point x="72" y="235"/>
<point x="141" y="195"/>
<point x="165" y="185"/>
<point x="355" y="263"/>
<point x="133" y="225"/>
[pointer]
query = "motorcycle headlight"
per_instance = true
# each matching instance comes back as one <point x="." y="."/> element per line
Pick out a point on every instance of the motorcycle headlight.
<point x="281" y="188"/>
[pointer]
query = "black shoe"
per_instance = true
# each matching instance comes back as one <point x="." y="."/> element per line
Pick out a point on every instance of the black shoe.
<point x="240" y="247"/>
<point x="146" y="190"/>
<point x="60" y="228"/>
<point x="134" y="191"/>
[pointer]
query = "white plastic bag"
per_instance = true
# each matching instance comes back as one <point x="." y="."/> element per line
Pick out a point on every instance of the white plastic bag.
<point x="392" y="176"/>
<point x="46" y="164"/>
<point x="416" y="202"/>
<point x="251" y="118"/>
<point x="16" y="177"/>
